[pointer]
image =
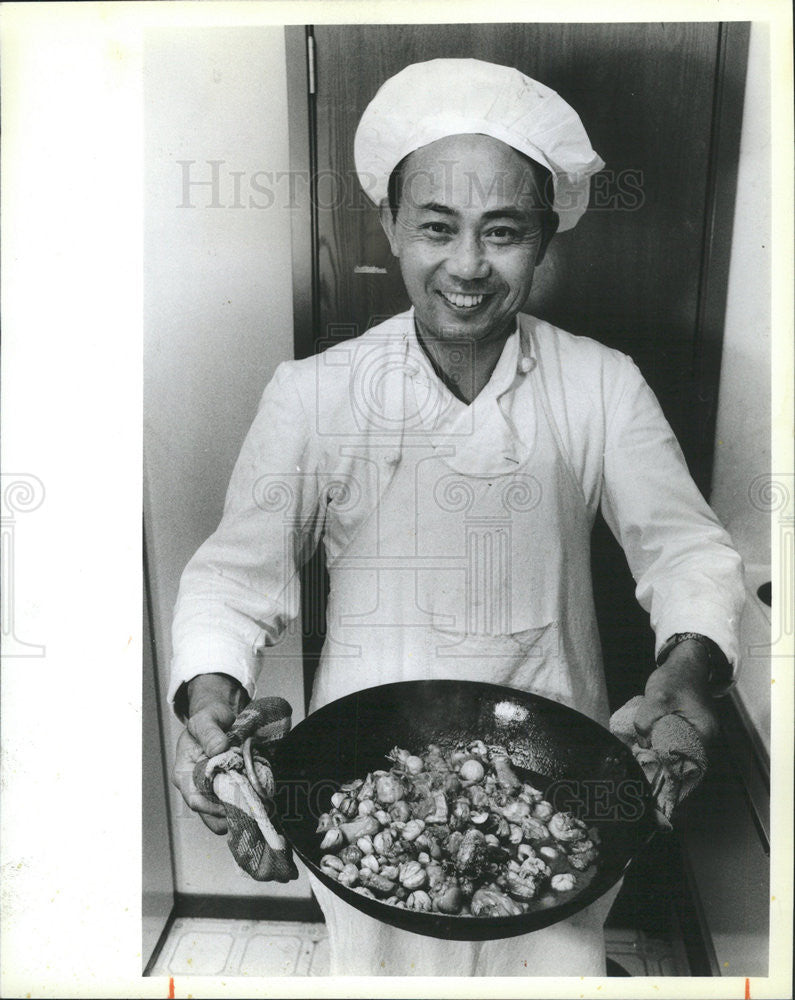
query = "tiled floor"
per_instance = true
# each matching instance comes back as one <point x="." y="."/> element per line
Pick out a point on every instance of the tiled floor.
<point x="205" y="947"/>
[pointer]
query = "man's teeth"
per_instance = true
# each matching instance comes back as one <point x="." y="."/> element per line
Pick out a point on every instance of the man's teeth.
<point x="463" y="301"/>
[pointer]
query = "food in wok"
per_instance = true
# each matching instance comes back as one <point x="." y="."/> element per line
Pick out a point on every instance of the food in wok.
<point x="577" y="764"/>
<point x="458" y="833"/>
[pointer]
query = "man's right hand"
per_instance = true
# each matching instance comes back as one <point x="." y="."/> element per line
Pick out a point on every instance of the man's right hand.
<point x="214" y="702"/>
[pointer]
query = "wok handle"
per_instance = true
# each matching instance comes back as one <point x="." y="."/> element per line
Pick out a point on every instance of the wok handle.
<point x="262" y="851"/>
<point x="263" y="723"/>
<point x="264" y="719"/>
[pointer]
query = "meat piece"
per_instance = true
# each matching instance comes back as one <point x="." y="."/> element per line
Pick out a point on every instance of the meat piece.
<point x="506" y="776"/>
<point x="472" y="856"/>
<point x="493" y="903"/>
<point x="566" y="828"/>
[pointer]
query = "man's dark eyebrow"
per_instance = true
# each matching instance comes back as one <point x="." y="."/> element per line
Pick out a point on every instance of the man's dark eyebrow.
<point x="506" y="212"/>
<point x="434" y="206"/>
<point x="509" y="212"/>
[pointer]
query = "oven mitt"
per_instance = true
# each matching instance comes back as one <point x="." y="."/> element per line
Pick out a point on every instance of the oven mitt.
<point x="241" y="779"/>
<point x="674" y="763"/>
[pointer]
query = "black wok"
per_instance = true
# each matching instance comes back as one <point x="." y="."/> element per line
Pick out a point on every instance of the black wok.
<point x="577" y="763"/>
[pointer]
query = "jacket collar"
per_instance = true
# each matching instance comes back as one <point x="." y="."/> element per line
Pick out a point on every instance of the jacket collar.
<point x="474" y="439"/>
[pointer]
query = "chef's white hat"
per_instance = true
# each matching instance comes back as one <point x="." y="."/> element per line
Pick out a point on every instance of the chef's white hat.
<point x="430" y="100"/>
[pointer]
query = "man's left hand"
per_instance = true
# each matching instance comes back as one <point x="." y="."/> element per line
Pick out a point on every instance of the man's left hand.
<point x="680" y="687"/>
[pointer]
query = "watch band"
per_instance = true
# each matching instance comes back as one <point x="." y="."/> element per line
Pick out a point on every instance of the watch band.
<point x="720" y="672"/>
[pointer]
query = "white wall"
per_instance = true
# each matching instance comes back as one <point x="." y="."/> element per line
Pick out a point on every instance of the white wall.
<point x="742" y="450"/>
<point x="157" y="881"/>
<point x="218" y="318"/>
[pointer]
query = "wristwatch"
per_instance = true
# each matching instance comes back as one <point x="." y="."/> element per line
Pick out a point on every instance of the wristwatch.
<point x="721" y="676"/>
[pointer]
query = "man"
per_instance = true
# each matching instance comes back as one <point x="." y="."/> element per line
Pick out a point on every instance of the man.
<point x="452" y="460"/>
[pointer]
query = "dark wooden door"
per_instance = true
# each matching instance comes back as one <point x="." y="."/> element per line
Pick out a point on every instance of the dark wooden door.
<point x="645" y="269"/>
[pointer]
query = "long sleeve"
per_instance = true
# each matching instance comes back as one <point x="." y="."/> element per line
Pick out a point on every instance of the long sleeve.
<point x="688" y="575"/>
<point x="240" y="590"/>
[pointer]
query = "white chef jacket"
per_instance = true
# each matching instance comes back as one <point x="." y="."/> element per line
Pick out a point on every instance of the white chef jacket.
<point x="331" y="430"/>
<point x="366" y="448"/>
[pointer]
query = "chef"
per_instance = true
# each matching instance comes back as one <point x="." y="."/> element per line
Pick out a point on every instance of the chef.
<point x="452" y="461"/>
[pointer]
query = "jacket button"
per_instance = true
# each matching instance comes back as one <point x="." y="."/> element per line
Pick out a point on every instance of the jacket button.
<point x="527" y="365"/>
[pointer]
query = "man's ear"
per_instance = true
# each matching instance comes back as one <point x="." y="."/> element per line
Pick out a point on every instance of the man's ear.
<point x="389" y="226"/>
<point x="551" y="222"/>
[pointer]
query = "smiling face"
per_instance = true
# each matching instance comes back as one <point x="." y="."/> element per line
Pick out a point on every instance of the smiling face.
<point x="471" y="226"/>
